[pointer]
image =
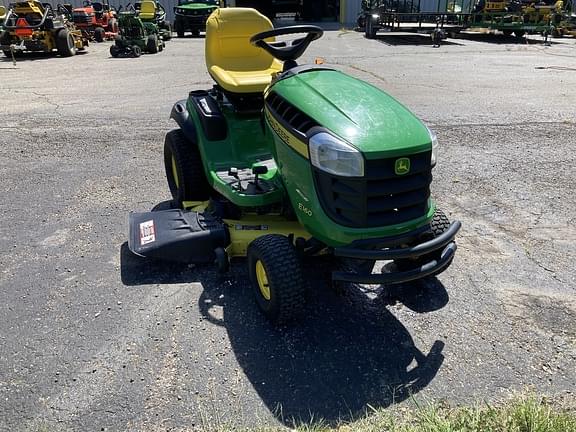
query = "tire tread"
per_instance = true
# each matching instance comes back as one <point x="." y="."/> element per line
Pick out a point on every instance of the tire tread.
<point x="284" y="272"/>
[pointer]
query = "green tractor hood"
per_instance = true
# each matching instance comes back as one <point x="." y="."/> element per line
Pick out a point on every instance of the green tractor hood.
<point x="198" y="6"/>
<point x="361" y="114"/>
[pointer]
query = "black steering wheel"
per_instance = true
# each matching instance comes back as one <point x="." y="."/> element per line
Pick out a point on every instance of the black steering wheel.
<point x="288" y="50"/>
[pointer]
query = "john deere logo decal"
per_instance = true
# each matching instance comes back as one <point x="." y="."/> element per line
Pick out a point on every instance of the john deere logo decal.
<point x="402" y="166"/>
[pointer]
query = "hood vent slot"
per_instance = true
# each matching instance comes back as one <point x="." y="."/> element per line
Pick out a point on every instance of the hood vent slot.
<point x="289" y="114"/>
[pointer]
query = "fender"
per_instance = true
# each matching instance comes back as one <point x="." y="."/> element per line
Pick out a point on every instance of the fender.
<point x="180" y="115"/>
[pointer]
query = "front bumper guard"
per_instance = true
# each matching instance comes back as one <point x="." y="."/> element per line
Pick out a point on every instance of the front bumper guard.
<point x="372" y="251"/>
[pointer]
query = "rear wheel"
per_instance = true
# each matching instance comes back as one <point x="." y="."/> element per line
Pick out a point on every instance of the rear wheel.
<point x="136" y="51"/>
<point x="507" y="33"/>
<point x="99" y="34"/>
<point x="276" y="277"/>
<point x="65" y="43"/>
<point x="152" y="44"/>
<point x="184" y="169"/>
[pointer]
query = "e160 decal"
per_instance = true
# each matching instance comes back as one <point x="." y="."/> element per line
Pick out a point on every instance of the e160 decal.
<point x="304" y="209"/>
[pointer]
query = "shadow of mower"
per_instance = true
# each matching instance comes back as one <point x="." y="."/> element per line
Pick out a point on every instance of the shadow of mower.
<point x="347" y="353"/>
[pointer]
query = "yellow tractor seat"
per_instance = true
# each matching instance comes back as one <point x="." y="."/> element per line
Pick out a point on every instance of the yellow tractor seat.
<point x="235" y="64"/>
<point x="2" y="12"/>
<point x="147" y="10"/>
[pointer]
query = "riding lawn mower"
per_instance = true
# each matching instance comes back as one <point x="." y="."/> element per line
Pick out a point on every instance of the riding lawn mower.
<point x="156" y="15"/>
<point x="281" y="164"/>
<point x="34" y="26"/>
<point x="135" y="34"/>
<point x="97" y="20"/>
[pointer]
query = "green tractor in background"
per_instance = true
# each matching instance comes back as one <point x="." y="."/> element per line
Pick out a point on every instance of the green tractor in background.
<point x="281" y="163"/>
<point x="156" y="15"/>
<point x="136" y="35"/>
<point x="191" y="15"/>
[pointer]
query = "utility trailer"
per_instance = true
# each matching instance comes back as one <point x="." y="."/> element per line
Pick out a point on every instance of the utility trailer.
<point x="517" y="17"/>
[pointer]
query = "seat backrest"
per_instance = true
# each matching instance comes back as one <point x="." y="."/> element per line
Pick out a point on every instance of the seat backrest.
<point x="228" y="33"/>
<point x="147" y="10"/>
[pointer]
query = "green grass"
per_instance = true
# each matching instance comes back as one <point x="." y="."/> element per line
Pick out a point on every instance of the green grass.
<point x="521" y="414"/>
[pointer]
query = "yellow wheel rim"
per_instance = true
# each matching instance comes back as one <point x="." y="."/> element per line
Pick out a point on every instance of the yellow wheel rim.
<point x="262" y="280"/>
<point x="175" y="172"/>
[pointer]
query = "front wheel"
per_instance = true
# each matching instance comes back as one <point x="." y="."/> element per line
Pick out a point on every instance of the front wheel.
<point x="136" y="51"/>
<point x="370" y="32"/>
<point x="276" y="278"/>
<point x="438" y="225"/>
<point x="114" y="51"/>
<point x="179" y="27"/>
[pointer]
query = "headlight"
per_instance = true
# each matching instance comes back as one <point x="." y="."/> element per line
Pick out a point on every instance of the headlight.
<point x="375" y="16"/>
<point x="334" y="156"/>
<point x="435" y="146"/>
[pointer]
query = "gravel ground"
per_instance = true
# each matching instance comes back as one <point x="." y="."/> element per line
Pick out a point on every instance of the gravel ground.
<point x="93" y="339"/>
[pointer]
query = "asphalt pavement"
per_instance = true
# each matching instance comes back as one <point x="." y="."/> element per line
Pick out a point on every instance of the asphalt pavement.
<point x="92" y="338"/>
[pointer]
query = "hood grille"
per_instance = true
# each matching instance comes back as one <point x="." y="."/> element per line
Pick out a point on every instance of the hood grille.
<point x="381" y="197"/>
<point x="292" y="116"/>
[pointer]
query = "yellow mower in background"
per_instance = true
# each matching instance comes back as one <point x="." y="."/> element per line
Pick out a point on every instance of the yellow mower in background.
<point x="35" y="26"/>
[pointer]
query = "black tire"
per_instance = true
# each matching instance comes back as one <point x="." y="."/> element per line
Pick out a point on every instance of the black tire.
<point x="507" y="33"/>
<point x="167" y="33"/>
<point x="152" y="44"/>
<point x="136" y="51"/>
<point x="284" y="279"/>
<point x="179" y="27"/>
<point x="371" y="30"/>
<point x="99" y="34"/>
<point x="519" y="33"/>
<point x="5" y="40"/>
<point x="114" y="51"/>
<point x="196" y="33"/>
<point x="438" y="225"/>
<point x="184" y="169"/>
<point x="65" y="43"/>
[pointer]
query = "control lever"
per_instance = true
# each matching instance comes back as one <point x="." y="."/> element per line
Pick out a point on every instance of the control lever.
<point x="233" y="172"/>
<point x="258" y="170"/>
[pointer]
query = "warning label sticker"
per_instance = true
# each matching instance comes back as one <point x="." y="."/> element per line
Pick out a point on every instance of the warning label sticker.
<point x="147" y="234"/>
